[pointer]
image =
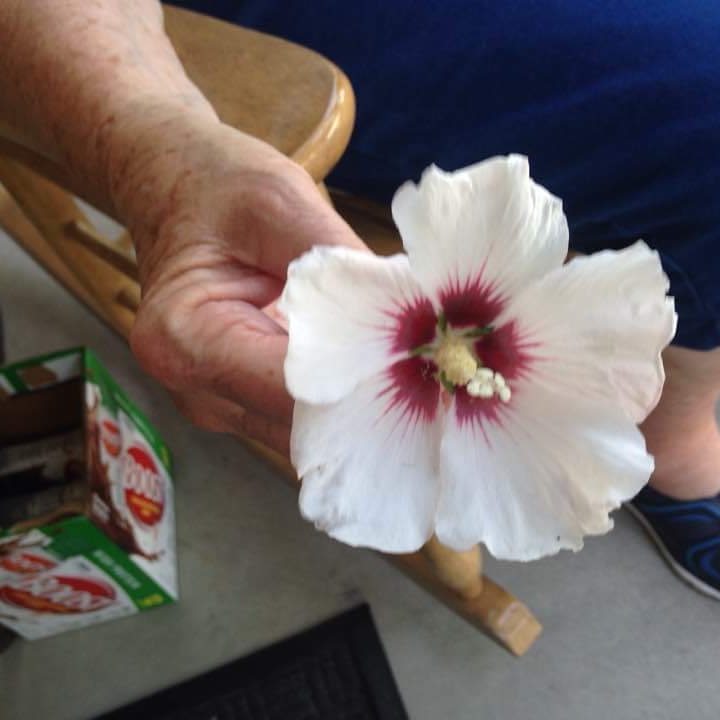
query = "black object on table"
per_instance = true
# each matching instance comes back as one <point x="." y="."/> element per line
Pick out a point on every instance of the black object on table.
<point x="335" y="671"/>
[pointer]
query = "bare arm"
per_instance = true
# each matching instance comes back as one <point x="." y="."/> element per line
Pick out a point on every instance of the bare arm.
<point x="76" y="74"/>
<point x="216" y="216"/>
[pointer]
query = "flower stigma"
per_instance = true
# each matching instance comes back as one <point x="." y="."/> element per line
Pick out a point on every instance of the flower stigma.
<point x="459" y="367"/>
<point x="454" y="359"/>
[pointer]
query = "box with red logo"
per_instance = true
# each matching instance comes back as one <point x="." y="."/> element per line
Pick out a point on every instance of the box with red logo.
<point x="87" y="529"/>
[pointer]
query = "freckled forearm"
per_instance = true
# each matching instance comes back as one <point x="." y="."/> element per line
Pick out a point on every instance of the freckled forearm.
<point x="77" y="75"/>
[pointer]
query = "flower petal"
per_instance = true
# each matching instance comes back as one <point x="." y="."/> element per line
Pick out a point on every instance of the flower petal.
<point x="487" y="228"/>
<point x="369" y="462"/>
<point x="536" y="475"/>
<point x="599" y="325"/>
<point x="351" y="314"/>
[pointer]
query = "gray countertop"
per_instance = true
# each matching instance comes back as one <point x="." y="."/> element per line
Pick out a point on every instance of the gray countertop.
<point x="622" y="637"/>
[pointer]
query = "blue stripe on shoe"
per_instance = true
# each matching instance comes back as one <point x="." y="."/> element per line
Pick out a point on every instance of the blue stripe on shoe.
<point x="711" y="505"/>
<point x="687" y="533"/>
<point x="708" y="569"/>
<point x="692" y="552"/>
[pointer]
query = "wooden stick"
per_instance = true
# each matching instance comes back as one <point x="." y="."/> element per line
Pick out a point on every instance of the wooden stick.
<point x="129" y="297"/>
<point x="84" y="233"/>
<point x="52" y="210"/>
<point x="494" y="611"/>
<point x="19" y="228"/>
<point x="461" y="571"/>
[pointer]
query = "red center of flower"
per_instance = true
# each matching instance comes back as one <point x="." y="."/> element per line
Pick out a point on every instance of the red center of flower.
<point x="412" y="384"/>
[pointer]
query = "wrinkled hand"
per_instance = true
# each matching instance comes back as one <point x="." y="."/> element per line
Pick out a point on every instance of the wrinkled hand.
<point x="216" y="218"/>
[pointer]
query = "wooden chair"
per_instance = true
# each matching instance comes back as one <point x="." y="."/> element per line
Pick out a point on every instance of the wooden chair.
<point x="304" y="106"/>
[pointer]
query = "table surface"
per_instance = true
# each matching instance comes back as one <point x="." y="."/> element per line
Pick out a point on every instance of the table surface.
<point x="622" y="637"/>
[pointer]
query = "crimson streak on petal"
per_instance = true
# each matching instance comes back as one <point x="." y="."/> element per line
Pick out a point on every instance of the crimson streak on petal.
<point x="477" y="411"/>
<point x="473" y="303"/>
<point x="413" y="390"/>
<point x="414" y="325"/>
<point x="506" y="351"/>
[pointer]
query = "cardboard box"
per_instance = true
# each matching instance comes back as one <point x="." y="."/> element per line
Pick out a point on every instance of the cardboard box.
<point x="87" y="528"/>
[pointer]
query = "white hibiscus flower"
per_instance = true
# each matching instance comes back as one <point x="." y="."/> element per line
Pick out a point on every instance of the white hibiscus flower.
<point x="475" y="388"/>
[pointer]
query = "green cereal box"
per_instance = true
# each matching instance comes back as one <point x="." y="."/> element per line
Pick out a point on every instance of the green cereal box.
<point x="87" y="529"/>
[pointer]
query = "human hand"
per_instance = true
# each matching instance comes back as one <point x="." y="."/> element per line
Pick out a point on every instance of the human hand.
<point x="216" y="217"/>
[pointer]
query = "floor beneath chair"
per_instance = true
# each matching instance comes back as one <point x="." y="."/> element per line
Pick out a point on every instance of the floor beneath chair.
<point x="623" y="638"/>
